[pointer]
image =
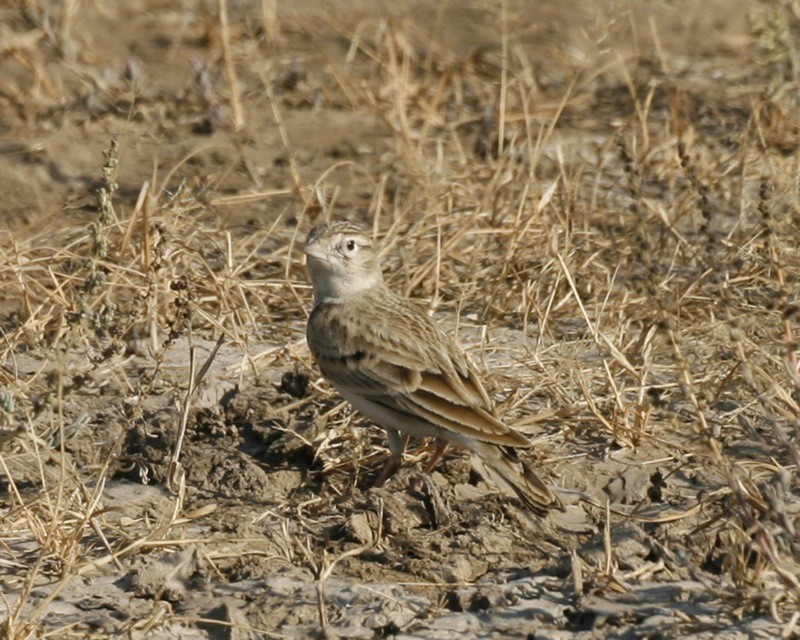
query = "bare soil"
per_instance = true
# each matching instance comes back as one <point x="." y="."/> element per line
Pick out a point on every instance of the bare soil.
<point x="599" y="199"/>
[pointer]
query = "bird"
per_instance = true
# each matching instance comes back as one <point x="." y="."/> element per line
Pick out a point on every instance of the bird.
<point x="399" y="368"/>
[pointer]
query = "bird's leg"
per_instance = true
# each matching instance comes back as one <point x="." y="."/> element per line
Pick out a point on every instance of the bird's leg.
<point x="438" y="452"/>
<point x="389" y="469"/>
<point x="397" y="446"/>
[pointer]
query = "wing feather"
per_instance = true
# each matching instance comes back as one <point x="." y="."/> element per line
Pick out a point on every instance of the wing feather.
<point x="389" y="351"/>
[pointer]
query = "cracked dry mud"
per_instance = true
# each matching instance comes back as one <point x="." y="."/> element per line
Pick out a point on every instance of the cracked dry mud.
<point x="275" y="531"/>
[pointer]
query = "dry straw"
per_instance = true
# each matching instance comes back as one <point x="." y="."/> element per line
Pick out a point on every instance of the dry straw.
<point x="628" y="272"/>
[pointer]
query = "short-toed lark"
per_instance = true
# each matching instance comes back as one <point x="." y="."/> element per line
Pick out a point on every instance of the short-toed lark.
<point x="398" y="367"/>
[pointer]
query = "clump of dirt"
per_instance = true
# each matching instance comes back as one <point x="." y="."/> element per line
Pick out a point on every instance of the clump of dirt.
<point x="599" y="201"/>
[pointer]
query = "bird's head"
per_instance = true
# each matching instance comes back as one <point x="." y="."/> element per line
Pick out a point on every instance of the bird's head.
<point x="342" y="260"/>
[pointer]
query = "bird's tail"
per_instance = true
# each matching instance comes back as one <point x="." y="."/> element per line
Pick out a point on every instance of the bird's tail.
<point x="534" y="493"/>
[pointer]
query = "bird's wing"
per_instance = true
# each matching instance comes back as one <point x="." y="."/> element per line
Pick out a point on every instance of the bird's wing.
<point x="388" y="350"/>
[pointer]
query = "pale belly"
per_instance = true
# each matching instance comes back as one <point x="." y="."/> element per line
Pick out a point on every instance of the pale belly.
<point x="399" y="421"/>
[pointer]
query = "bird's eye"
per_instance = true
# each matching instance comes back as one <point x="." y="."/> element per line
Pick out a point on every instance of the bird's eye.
<point x="349" y="246"/>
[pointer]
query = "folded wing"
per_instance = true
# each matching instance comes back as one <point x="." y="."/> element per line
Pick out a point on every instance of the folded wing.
<point x="417" y="370"/>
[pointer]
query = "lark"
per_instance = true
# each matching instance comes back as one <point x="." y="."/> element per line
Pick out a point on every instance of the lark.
<point x="399" y="368"/>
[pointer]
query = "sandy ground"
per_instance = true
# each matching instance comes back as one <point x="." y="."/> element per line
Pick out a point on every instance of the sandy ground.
<point x="682" y="497"/>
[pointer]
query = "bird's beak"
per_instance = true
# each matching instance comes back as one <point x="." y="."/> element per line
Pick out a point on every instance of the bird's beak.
<point x="314" y="250"/>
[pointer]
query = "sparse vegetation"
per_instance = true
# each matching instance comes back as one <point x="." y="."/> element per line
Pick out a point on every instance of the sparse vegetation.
<point x="599" y="198"/>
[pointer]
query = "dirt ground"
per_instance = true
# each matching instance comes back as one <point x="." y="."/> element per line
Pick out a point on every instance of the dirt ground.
<point x="600" y="199"/>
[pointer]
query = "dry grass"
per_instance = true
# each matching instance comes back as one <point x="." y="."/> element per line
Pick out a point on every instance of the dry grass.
<point x="634" y="230"/>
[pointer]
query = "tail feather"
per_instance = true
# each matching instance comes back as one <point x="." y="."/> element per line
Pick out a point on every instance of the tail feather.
<point x="519" y="477"/>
